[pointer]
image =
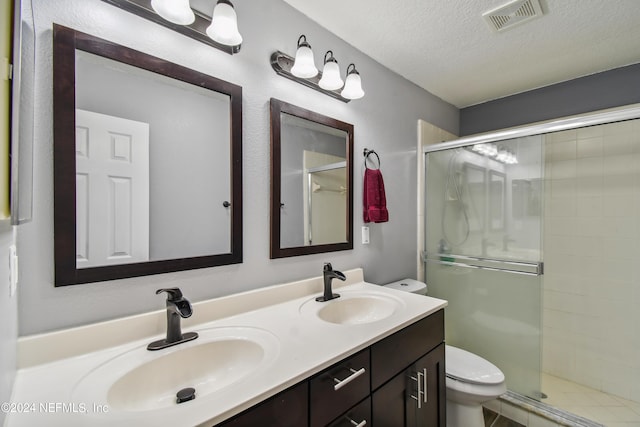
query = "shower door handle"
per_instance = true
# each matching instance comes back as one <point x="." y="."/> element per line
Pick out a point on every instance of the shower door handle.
<point x="491" y="264"/>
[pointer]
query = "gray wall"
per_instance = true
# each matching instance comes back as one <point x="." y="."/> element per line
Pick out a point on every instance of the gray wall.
<point x="8" y="319"/>
<point x="385" y="119"/>
<point x="608" y="89"/>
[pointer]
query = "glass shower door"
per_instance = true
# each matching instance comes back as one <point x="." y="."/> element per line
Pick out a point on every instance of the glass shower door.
<point x="483" y="252"/>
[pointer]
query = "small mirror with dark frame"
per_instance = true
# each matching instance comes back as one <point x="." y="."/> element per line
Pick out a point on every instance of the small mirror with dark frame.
<point x="147" y="163"/>
<point x="311" y="182"/>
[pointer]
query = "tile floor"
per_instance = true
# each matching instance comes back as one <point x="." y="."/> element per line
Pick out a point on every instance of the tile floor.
<point x="491" y="419"/>
<point x="610" y="410"/>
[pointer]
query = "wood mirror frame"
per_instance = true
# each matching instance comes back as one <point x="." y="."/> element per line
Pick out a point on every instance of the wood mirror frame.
<point x="277" y="108"/>
<point x="65" y="43"/>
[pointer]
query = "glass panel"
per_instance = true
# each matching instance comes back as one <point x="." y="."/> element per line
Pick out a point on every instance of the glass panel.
<point x="591" y="248"/>
<point x="485" y="201"/>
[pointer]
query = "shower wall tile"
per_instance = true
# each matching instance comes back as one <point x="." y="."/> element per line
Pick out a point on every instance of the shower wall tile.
<point x="590" y="132"/>
<point x="563" y="207"/>
<point x="618" y="165"/>
<point x="590" y="186"/>
<point x="563" y="188"/>
<point x="620" y="248"/>
<point x="589" y="166"/>
<point x="589" y="147"/>
<point x="591" y="316"/>
<point x="565" y="135"/>
<point x="619" y="144"/>
<point x="565" y="150"/>
<point x="618" y="206"/>
<point x="589" y="206"/>
<point x="563" y="169"/>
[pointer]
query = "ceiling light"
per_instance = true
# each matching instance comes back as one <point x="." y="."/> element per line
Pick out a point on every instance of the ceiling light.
<point x="304" y="65"/>
<point x="331" y="79"/>
<point x="353" y="84"/>
<point x="176" y="11"/>
<point x="224" y="24"/>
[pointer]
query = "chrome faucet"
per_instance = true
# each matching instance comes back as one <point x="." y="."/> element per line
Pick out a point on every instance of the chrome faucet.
<point x="329" y="274"/>
<point x="177" y="307"/>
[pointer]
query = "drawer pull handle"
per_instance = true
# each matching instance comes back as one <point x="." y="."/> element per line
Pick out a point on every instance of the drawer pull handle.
<point x="421" y="380"/>
<point x="426" y="389"/>
<point x="355" y="423"/>
<point x="354" y="374"/>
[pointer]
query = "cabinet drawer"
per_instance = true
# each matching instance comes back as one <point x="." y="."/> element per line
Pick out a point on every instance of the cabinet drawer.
<point x="396" y="352"/>
<point x="286" y="409"/>
<point x="338" y="388"/>
<point x="359" y="415"/>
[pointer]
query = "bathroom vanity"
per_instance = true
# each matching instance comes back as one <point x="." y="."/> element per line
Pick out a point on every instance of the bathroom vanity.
<point x="272" y="356"/>
<point x="398" y="381"/>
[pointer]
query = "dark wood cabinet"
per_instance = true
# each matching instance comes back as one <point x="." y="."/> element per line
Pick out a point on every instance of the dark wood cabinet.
<point x="408" y="376"/>
<point x="289" y="408"/>
<point x="413" y="398"/>
<point x="359" y="415"/>
<point x="338" y="388"/>
<point x="398" y="381"/>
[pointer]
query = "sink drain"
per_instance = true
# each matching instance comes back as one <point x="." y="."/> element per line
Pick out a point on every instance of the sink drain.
<point x="185" y="395"/>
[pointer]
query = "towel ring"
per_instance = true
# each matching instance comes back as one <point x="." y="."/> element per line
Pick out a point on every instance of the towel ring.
<point x="367" y="153"/>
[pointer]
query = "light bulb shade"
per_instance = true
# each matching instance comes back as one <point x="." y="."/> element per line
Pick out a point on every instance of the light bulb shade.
<point x="303" y="65"/>
<point x="331" y="79"/>
<point x="224" y="25"/>
<point x="353" y="84"/>
<point x="176" y="11"/>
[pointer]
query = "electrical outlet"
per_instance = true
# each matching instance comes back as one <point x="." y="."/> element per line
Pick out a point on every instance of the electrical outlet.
<point x="13" y="270"/>
<point x="365" y="235"/>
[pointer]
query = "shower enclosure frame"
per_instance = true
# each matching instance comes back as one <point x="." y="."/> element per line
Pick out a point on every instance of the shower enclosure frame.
<point x="574" y="122"/>
<point x="613" y="115"/>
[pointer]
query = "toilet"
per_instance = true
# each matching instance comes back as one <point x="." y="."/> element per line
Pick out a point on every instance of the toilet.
<point x="471" y="380"/>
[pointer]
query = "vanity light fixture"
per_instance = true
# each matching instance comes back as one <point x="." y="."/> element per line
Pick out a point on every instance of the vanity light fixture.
<point x="302" y="69"/>
<point x="224" y="24"/>
<point x="353" y="84"/>
<point x="214" y="26"/>
<point x="330" y="73"/>
<point x="176" y="11"/>
<point x="304" y="65"/>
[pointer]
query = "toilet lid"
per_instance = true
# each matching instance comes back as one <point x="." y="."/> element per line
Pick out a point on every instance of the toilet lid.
<point x="468" y="367"/>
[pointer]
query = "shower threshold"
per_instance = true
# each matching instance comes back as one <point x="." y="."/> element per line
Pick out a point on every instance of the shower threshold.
<point x="557" y="415"/>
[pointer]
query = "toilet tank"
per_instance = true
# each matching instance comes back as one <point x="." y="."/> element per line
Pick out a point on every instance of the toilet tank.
<point x="409" y="285"/>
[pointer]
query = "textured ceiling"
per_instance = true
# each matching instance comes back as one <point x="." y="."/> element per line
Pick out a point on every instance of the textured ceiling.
<point x="446" y="47"/>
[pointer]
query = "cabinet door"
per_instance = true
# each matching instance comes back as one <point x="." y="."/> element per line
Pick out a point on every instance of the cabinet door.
<point x="287" y="409"/>
<point x="415" y="397"/>
<point x="389" y="403"/>
<point x="426" y="402"/>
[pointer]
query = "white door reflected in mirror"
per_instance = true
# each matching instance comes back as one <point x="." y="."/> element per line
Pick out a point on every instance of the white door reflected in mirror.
<point x="112" y="190"/>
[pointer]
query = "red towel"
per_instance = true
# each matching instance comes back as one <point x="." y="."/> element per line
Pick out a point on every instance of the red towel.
<point x="375" y="202"/>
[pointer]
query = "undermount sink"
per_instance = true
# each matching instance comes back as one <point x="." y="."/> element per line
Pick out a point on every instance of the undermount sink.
<point x="354" y="308"/>
<point x="142" y="380"/>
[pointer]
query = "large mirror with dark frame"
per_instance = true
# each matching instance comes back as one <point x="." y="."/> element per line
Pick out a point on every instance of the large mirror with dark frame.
<point x="147" y="163"/>
<point x="311" y="182"/>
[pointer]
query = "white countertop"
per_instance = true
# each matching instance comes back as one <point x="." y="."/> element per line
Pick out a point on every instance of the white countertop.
<point x="46" y="392"/>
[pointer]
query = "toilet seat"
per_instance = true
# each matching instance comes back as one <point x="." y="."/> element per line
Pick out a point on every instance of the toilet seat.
<point x="468" y="367"/>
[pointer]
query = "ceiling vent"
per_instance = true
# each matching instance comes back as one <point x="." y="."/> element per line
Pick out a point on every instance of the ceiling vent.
<point x="512" y="14"/>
